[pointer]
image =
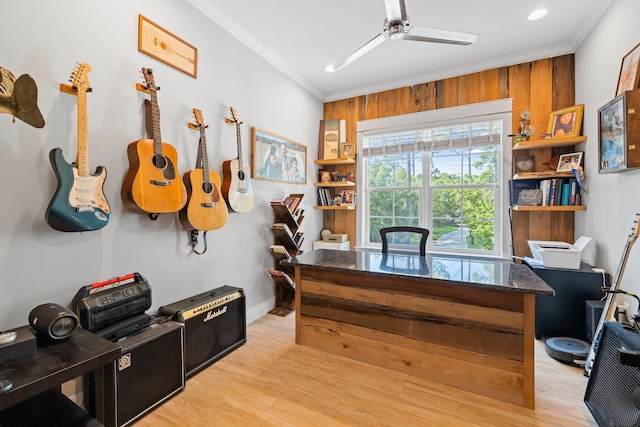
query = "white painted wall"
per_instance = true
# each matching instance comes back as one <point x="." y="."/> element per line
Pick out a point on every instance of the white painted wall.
<point x="613" y="199"/>
<point x="45" y="39"/>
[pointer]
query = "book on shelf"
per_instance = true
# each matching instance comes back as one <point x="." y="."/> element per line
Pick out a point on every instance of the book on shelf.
<point x="292" y="201"/>
<point x="281" y="275"/>
<point x="284" y="227"/>
<point x="560" y="192"/>
<point x="279" y="249"/>
<point x="516" y="187"/>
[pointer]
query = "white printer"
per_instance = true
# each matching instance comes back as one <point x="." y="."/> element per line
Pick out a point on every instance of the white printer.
<point x="558" y="254"/>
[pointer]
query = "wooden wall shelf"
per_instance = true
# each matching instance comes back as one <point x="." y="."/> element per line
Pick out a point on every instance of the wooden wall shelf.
<point x="336" y="208"/>
<point x="549" y="208"/>
<point x="548" y="143"/>
<point x="339" y="161"/>
<point x="335" y="184"/>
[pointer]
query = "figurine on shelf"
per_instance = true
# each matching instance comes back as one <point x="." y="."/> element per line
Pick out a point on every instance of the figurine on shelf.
<point x="350" y="176"/>
<point x="525" y="128"/>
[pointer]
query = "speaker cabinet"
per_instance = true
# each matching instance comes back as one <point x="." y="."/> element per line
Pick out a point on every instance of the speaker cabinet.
<point x="613" y="390"/>
<point x="215" y="324"/>
<point x="150" y="370"/>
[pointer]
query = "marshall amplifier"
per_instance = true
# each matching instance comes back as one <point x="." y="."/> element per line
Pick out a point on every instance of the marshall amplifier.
<point x="215" y="325"/>
<point x="102" y="304"/>
<point x="150" y="370"/>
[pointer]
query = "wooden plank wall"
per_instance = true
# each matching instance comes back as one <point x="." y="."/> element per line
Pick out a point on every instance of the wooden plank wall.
<point x="540" y="86"/>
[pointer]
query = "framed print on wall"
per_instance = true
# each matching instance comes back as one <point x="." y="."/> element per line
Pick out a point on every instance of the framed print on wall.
<point x="164" y="46"/>
<point x="629" y="73"/>
<point x="566" y="122"/>
<point x="275" y="158"/>
<point x="619" y="133"/>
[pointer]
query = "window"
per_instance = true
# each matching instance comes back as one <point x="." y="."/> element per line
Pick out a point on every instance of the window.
<point x="444" y="175"/>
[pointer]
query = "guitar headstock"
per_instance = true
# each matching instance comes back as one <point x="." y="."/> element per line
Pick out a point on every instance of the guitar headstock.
<point x="147" y="73"/>
<point x="79" y="78"/>
<point x="234" y="116"/>
<point x="197" y="114"/>
<point x="634" y="229"/>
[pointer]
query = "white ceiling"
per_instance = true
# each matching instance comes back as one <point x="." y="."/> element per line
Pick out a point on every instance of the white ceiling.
<point x="301" y="37"/>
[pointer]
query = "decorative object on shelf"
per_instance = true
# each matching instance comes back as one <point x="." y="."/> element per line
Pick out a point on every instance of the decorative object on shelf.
<point x="569" y="162"/>
<point x="348" y="197"/>
<point x="523" y="163"/>
<point x="20" y="98"/>
<point x="325" y="176"/>
<point x="566" y="122"/>
<point x="619" y="133"/>
<point x="160" y="44"/>
<point x="346" y="149"/>
<point x="276" y="158"/>
<point x="530" y="197"/>
<point x="629" y="73"/>
<point x="332" y="133"/>
<point x="525" y="128"/>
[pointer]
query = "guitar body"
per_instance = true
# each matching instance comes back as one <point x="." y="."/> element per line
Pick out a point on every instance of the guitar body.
<point x="152" y="184"/>
<point x="79" y="203"/>
<point x="205" y="209"/>
<point x="236" y="186"/>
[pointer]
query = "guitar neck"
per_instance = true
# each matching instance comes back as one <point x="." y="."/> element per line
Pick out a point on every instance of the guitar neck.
<point x="155" y="117"/>
<point x="239" y="141"/>
<point x="82" y="156"/>
<point x="203" y="154"/>
<point x="609" y="307"/>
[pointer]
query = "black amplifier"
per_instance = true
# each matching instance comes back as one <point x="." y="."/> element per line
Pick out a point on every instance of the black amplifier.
<point x="215" y="324"/>
<point x="102" y="304"/>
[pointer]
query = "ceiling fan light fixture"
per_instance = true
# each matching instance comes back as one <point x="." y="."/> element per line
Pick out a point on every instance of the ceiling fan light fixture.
<point x="537" y="14"/>
<point x="330" y="68"/>
<point x="396" y="31"/>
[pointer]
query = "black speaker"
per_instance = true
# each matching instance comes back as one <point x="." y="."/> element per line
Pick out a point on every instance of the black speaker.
<point x="215" y="324"/>
<point x="613" y="390"/>
<point x="150" y="370"/>
<point x="594" y="310"/>
<point x="53" y="321"/>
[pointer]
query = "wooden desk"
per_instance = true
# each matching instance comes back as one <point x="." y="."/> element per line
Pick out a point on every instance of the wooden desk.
<point x="57" y="362"/>
<point x="461" y="321"/>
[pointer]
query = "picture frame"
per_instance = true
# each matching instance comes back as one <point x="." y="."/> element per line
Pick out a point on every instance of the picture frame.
<point x="619" y="134"/>
<point x="158" y="43"/>
<point x="346" y="149"/>
<point x="566" y="122"/>
<point x="275" y="158"/>
<point x="629" y="73"/>
<point x="568" y="162"/>
<point x="347" y="198"/>
<point x="523" y="164"/>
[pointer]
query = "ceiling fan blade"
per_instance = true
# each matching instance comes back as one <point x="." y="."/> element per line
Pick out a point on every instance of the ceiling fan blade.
<point x="361" y="51"/>
<point x="395" y="10"/>
<point x="436" y="35"/>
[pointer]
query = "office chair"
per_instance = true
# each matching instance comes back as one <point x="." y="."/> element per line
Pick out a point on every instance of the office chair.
<point x="405" y="229"/>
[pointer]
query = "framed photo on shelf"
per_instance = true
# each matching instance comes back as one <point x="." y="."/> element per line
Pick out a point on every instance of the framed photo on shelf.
<point x="166" y="47"/>
<point x="346" y="149"/>
<point x="524" y="163"/>
<point x="347" y="198"/>
<point x="629" y="73"/>
<point x="566" y="122"/>
<point x="275" y="158"/>
<point x="569" y="162"/>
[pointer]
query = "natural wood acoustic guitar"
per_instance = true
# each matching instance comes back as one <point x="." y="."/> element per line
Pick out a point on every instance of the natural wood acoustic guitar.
<point x="79" y="203"/>
<point x="236" y="185"/>
<point x="152" y="184"/>
<point x="205" y="209"/>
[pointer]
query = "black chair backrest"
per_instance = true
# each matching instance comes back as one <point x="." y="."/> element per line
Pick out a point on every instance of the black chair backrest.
<point x="404" y="229"/>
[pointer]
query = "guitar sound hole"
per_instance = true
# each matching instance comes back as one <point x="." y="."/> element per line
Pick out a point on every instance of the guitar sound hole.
<point x="241" y="175"/>
<point x="207" y="187"/>
<point x="159" y="161"/>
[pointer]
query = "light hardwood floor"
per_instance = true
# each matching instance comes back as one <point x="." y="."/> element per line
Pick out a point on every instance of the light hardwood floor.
<point x="270" y="381"/>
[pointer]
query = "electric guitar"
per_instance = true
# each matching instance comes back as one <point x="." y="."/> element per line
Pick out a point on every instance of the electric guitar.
<point x="205" y="209"/>
<point x="236" y="186"/>
<point x="609" y="307"/>
<point x="79" y="203"/>
<point x="153" y="184"/>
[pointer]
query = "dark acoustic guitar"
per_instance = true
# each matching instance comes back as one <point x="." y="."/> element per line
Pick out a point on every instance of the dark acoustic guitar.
<point x="79" y="203"/>
<point x="236" y="185"/>
<point x="205" y="209"/>
<point x="152" y="184"/>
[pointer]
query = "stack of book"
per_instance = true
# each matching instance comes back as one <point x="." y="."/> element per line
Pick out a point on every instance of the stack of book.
<point x="325" y="198"/>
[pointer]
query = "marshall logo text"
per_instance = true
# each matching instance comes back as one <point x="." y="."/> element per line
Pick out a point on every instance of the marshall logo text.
<point x="213" y="314"/>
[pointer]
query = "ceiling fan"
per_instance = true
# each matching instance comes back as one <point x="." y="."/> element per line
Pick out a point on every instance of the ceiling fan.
<point x="397" y="26"/>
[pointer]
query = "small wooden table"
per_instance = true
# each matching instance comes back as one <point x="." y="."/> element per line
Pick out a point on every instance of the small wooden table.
<point x="466" y="322"/>
<point x="57" y="362"/>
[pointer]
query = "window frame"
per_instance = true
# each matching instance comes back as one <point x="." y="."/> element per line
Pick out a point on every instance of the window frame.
<point x="494" y="110"/>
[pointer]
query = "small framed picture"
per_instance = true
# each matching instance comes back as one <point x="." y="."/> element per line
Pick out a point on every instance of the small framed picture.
<point x="348" y="197"/>
<point x="346" y="149"/>
<point x="568" y="162"/>
<point x="325" y="176"/>
<point x="524" y="163"/>
<point x="566" y="122"/>
<point x="629" y="73"/>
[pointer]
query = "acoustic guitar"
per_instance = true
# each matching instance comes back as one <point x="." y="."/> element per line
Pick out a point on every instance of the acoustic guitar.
<point x="205" y="209"/>
<point x="79" y="203"/>
<point x="152" y="184"/>
<point x="236" y="185"/>
<point x="609" y="307"/>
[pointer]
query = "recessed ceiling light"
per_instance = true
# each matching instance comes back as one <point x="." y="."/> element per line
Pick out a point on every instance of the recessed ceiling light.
<point x="329" y="68"/>
<point x="537" y="14"/>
